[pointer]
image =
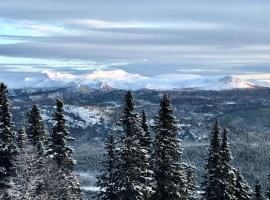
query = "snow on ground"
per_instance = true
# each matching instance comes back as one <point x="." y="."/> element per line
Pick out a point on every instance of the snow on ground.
<point x="90" y="115"/>
<point x="230" y="103"/>
<point x="90" y="188"/>
<point x="88" y="180"/>
<point x="80" y="117"/>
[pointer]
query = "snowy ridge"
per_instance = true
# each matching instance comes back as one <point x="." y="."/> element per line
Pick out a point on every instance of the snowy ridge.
<point x="119" y="79"/>
<point x="80" y="117"/>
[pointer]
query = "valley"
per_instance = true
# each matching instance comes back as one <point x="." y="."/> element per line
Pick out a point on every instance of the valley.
<point x="94" y="113"/>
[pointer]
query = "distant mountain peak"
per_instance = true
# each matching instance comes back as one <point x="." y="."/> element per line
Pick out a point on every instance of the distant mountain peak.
<point x="105" y="86"/>
<point x="232" y="82"/>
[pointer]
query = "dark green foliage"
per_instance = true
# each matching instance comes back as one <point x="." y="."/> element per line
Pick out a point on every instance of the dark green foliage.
<point x="213" y="185"/>
<point x="227" y="171"/>
<point x="132" y="180"/>
<point x="36" y="131"/>
<point x="22" y="138"/>
<point x="61" y="154"/>
<point x="107" y="178"/>
<point x="258" y="191"/>
<point x="29" y="174"/>
<point x="167" y="155"/>
<point x="190" y="186"/>
<point x="222" y="181"/>
<point x="146" y="137"/>
<point x="242" y="189"/>
<point x="59" y="148"/>
<point x="129" y="103"/>
<point x="8" y="148"/>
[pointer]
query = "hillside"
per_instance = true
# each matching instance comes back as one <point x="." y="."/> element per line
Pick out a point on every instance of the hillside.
<point x="92" y="114"/>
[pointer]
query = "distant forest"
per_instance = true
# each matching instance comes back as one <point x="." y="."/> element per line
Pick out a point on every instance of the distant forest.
<point x="145" y="163"/>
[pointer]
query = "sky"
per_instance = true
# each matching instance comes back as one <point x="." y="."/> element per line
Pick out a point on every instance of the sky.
<point x="145" y="37"/>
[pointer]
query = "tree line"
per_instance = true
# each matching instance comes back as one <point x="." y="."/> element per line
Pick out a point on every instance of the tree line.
<point x="145" y="163"/>
<point x="35" y="165"/>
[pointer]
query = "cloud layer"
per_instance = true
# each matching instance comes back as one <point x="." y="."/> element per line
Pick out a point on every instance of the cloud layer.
<point x="150" y="37"/>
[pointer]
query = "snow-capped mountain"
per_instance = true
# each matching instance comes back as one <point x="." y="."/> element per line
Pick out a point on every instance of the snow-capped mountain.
<point x="119" y="79"/>
<point x="235" y="82"/>
<point x="230" y="82"/>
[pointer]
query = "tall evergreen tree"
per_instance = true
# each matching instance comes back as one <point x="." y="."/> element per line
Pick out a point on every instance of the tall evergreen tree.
<point x="59" y="148"/>
<point x="242" y="189"/>
<point x="107" y="178"/>
<point x="258" y="191"/>
<point x="133" y="162"/>
<point x="36" y="131"/>
<point x="227" y="171"/>
<point x="61" y="154"/>
<point x="146" y="139"/>
<point x="213" y="185"/>
<point x="168" y="173"/>
<point x="8" y="148"/>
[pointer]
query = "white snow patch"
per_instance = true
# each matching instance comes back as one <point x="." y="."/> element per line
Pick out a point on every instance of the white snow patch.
<point x="80" y="117"/>
<point x="230" y="103"/>
<point x="90" y="188"/>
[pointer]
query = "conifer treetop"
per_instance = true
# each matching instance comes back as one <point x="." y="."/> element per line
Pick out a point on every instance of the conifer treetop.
<point x="129" y="102"/>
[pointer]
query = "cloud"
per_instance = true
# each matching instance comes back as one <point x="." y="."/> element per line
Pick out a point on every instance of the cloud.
<point x="149" y="37"/>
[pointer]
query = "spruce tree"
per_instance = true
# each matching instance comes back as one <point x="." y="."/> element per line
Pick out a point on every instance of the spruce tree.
<point x="107" y="178"/>
<point x="28" y="181"/>
<point x="242" y="189"/>
<point x="213" y="185"/>
<point x="59" y="148"/>
<point x="146" y="139"/>
<point x="227" y="171"/>
<point x="146" y="154"/>
<point x="36" y="131"/>
<point x="190" y="193"/>
<point x="258" y="191"/>
<point x="22" y="138"/>
<point x="61" y="154"/>
<point x="8" y="148"/>
<point x="168" y="173"/>
<point x="132" y="180"/>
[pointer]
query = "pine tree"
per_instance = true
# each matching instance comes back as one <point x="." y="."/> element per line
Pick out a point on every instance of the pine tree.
<point x="146" y="153"/>
<point x="267" y="193"/>
<point x="243" y="191"/>
<point x="59" y="149"/>
<point x="258" y="191"/>
<point x="132" y="181"/>
<point x="61" y="154"/>
<point x="36" y="131"/>
<point x="213" y="185"/>
<point x="190" y="193"/>
<point x="8" y="148"/>
<point x="146" y="139"/>
<point x="168" y="174"/>
<point x="22" y="138"/>
<point x="26" y="184"/>
<point x="227" y="171"/>
<point x="107" y="178"/>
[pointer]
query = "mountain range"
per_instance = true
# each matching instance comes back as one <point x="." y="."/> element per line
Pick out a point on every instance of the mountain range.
<point x="120" y="79"/>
